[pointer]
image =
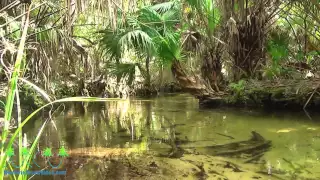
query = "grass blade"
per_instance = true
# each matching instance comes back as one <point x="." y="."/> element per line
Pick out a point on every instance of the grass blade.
<point x="11" y="94"/>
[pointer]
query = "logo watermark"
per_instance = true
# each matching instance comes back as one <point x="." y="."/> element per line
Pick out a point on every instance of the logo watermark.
<point x="47" y="154"/>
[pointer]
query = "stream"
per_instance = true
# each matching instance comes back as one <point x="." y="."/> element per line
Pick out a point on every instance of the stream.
<point x="169" y="137"/>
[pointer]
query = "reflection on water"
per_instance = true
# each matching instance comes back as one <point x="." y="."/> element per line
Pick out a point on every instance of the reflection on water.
<point x="173" y="124"/>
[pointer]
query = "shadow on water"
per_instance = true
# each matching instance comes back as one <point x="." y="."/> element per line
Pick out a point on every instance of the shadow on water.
<point x="172" y="136"/>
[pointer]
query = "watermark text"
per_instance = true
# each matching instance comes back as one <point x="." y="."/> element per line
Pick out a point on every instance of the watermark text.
<point x="43" y="172"/>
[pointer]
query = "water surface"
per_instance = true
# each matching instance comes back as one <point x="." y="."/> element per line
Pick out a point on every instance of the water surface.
<point x="153" y="125"/>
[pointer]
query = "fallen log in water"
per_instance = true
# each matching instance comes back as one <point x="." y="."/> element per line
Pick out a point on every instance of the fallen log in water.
<point x="253" y="148"/>
<point x="250" y="150"/>
<point x="256" y="145"/>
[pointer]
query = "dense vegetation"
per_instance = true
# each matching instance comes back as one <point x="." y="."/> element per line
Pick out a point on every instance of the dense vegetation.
<point x="247" y="52"/>
<point x="104" y="48"/>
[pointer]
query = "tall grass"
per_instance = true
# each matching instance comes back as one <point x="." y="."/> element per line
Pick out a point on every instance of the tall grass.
<point x="13" y="81"/>
<point x="12" y="93"/>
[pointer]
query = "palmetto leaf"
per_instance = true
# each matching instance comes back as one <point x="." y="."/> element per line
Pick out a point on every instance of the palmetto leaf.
<point x="150" y="21"/>
<point x="150" y="31"/>
<point x="169" y="47"/>
<point x="123" y="70"/>
<point x="164" y="7"/>
<point x="136" y="39"/>
<point x="110" y="43"/>
<point x="148" y="15"/>
<point x="113" y="43"/>
<point x="278" y="46"/>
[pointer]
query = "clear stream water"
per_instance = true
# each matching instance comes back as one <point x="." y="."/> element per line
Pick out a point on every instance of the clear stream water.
<point x="146" y="124"/>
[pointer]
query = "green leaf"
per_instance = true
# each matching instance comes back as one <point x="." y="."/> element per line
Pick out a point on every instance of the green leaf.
<point x="25" y="151"/>
<point x="236" y="7"/>
<point x="63" y="152"/>
<point x="169" y="47"/>
<point x="300" y="55"/>
<point x="10" y="152"/>
<point x="47" y="152"/>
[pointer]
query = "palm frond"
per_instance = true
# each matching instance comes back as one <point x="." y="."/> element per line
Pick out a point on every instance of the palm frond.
<point x="171" y="16"/>
<point x="132" y="22"/>
<point x="150" y="31"/>
<point x="136" y="39"/>
<point x="148" y="15"/>
<point x="150" y="21"/>
<point x="110" y="43"/>
<point x="278" y="45"/>
<point x="169" y="47"/>
<point x="164" y="7"/>
<point x="123" y="70"/>
<point x="213" y="15"/>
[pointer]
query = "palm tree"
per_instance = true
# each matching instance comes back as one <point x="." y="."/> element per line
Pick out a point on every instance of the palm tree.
<point x="153" y="33"/>
<point x="149" y="33"/>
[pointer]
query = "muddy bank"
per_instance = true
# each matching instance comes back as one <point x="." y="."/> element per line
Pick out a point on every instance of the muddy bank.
<point x="283" y="94"/>
<point x="190" y="166"/>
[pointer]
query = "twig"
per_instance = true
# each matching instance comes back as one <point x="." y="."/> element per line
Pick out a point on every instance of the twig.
<point x="6" y="69"/>
<point x="87" y="39"/>
<point x="3" y="25"/>
<point x="308" y="115"/>
<point x="315" y="90"/>
<point x="9" y="6"/>
<point x="225" y="135"/>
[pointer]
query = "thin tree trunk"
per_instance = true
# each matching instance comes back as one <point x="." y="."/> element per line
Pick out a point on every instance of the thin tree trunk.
<point x="161" y="76"/>
<point x="148" y="78"/>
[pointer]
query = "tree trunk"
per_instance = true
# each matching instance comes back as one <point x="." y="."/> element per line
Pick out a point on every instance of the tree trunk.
<point x="212" y="66"/>
<point x="246" y="37"/>
<point x="194" y="85"/>
<point x="247" y="49"/>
